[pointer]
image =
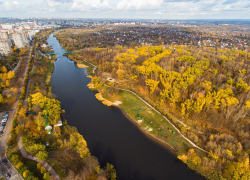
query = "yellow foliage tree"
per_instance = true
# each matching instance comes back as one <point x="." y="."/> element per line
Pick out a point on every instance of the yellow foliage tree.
<point x="152" y="84"/>
<point x="120" y="73"/>
<point x="4" y="69"/>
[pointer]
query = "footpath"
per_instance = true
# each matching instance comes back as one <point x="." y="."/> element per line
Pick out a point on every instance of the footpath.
<point x="45" y="164"/>
<point x="6" y="134"/>
<point x="188" y="140"/>
<point x="22" y="150"/>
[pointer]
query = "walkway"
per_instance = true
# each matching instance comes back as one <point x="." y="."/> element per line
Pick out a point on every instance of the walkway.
<point x="6" y="134"/>
<point x="17" y="66"/>
<point x="46" y="165"/>
<point x="20" y="145"/>
<point x="193" y="144"/>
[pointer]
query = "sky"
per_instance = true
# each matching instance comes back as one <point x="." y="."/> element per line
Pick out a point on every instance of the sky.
<point x="127" y="9"/>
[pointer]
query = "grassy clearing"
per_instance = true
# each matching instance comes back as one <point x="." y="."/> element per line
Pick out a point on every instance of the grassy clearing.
<point x="151" y="120"/>
<point x="90" y="67"/>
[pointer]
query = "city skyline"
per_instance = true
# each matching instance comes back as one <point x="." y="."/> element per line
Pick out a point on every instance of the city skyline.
<point x="136" y="9"/>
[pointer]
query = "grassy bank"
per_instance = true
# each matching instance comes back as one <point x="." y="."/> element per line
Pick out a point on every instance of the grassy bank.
<point x="150" y="121"/>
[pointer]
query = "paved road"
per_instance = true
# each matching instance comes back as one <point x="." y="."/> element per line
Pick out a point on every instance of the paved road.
<point x="6" y="135"/>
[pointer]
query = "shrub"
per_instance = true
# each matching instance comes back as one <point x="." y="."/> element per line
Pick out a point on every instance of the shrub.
<point x="19" y="165"/>
<point x="15" y="159"/>
<point x="46" y="176"/>
<point x="183" y="130"/>
<point x="10" y="142"/>
<point x="42" y="155"/>
<point x="43" y="170"/>
<point x="26" y="173"/>
<point x="39" y="165"/>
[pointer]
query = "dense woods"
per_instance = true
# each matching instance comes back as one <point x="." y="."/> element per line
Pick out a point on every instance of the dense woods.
<point x="207" y="88"/>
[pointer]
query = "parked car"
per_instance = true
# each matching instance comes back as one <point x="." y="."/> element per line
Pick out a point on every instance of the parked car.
<point x="4" y="161"/>
<point x="6" y="116"/>
<point x="7" y="175"/>
<point x="1" y="133"/>
<point x="4" y="120"/>
<point x="3" y="123"/>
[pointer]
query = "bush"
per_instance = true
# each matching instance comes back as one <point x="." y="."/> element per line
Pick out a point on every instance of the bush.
<point x="42" y="155"/>
<point x="46" y="176"/>
<point x="19" y="165"/>
<point x="15" y="159"/>
<point x="26" y="173"/>
<point x="39" y="165"/>
<point x="183" y="130"/>
<point x="111" y="172"/>
<point x="43" y="170"/>
<point x="10" y="142"/>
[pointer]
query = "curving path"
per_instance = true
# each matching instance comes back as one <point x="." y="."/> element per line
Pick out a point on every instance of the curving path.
<point x="8" y="126"/>
<point x="193" y="144"/>
<point x="22" y="150"/>
<point x="45" y="164"/>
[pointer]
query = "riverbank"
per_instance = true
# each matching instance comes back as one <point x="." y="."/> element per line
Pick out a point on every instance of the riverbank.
<point x="51" y="139"/>
<point x="149" y="121"/>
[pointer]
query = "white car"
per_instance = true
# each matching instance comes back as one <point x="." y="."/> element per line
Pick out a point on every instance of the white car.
<point x="4" y="120"/>
<point x="1" y="128"/>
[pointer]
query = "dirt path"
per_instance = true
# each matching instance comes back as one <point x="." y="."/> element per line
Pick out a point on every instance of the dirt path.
<point x="193" y="144"/>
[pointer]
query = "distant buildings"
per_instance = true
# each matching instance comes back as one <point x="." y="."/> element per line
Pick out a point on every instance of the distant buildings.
<point x="20" y="39"/>
<point x="5" y="43"/>
<point x="7" y="26"/>
<point x="4" y="35"/>
<point x="5" y="47"/>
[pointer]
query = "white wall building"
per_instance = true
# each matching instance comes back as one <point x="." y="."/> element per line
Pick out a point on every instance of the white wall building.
<point x="20" y="39"/>
<point x="7" y="26"/>
<point x="3" y="35"/>
<point x="5" y="47"/>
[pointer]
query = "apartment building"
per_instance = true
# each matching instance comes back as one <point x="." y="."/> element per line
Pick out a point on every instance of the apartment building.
<point x="20" y="39"/>
<point x="5" y="47"/>
<point x="7" y="26"/>
<point x="3" y="35"/>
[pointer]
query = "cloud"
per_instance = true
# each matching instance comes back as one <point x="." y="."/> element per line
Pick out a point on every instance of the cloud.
<point x="231" y="1"/>
<point x="167" y="9"/>
<point x="139" y="5"/>
<point x="176" y="1"/>
<point x="85" y="5"/>
<point x="12" y="5"/>
<point x="63" y="1"/>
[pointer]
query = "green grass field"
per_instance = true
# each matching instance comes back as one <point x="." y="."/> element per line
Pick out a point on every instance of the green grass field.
<point x="151" y="119"/>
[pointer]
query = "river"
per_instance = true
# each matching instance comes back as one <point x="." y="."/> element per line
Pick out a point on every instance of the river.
<point x="110" y="136"/>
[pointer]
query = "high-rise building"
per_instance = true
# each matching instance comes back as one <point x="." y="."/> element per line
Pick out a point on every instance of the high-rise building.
<point x="20" y="39"/>
<point x="24" y="37"/>
<point x="3" y="35"/>
<point x="5" y="46"/>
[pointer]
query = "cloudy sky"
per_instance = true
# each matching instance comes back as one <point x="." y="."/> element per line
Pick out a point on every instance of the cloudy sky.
<point x="135" y="9"/>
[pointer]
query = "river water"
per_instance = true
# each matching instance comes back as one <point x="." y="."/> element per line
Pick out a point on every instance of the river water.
<point x="110" y="136"/>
